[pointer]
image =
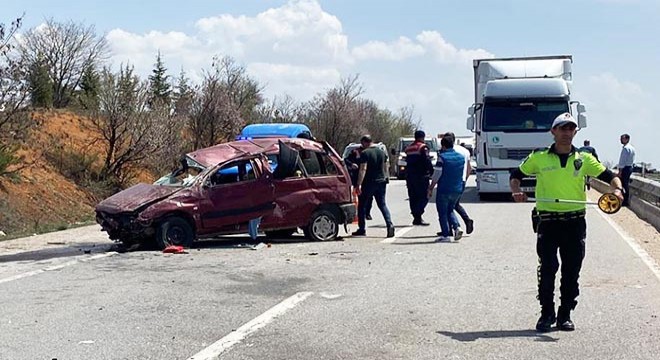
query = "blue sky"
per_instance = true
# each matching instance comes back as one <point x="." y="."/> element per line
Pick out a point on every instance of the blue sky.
<point x="407" y="52"/>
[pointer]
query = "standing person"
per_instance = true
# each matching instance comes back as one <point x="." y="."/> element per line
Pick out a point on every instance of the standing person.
<point x="372" y="183"/>
<point x="590" y="149"/>
<point x="448" y="174"/>
<point x="418" y="174"/>
<point x="352" y="162"/>
<point x="560" y="171"/>
<point x="469" y="223"/>
<point x="626" y="161"/>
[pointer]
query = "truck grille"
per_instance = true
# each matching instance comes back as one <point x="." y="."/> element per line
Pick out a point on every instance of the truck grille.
<point x="517" y="154"/>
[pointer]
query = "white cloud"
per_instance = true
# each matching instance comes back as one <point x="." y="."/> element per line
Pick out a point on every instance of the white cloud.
<point x="448" y="53"/>
<point x="299" y="49"/>
<point x="615" y="107"/>
<point x="401" y="49"/>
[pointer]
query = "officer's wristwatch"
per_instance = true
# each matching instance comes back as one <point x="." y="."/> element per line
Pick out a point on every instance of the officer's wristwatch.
<point x="620" y="189"/>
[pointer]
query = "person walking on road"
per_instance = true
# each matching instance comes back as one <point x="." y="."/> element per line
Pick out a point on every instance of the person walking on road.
<point x="560" y="172"/>
<point x="352" y="162"/>
<point x="625" y="166"/>
<point x="469" y="223"/>
<point x="418" y="175"/>
<point x="372" y="183"/>
<point x="448" y="174"/>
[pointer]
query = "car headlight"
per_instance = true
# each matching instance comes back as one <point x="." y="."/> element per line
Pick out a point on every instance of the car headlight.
<point x="489" y="178"/>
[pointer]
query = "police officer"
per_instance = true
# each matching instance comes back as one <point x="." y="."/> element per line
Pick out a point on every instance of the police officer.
<point x="419" y="169"/>
<point x="560" y="172"/>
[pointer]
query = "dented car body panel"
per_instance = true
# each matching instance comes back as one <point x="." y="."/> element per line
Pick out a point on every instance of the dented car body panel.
<point x="237" y="182"/>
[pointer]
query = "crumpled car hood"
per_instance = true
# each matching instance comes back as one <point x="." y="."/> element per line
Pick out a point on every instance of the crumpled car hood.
<point x="135" y="197"/>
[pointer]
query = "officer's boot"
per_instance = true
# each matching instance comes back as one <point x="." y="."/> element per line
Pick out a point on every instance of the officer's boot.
<point x="417" y="220"/>
<point x="547" y="319"/>
<point x="564" y="321"/>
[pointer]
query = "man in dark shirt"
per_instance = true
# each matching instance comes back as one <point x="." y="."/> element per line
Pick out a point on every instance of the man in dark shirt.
<point x="588" y="148"/>
<point x="372" y="183"/>
<point x="418" y="175"/>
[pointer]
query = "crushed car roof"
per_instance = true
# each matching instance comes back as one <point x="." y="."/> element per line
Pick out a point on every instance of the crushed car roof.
<point x="220" y="153"/>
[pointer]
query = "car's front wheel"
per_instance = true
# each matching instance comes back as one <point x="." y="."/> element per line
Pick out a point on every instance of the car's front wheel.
<point x="323" y="226"/>
<point x="175" y="231"/>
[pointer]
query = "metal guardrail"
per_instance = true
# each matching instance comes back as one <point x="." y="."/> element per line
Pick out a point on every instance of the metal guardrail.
<point x="644" y="198"/>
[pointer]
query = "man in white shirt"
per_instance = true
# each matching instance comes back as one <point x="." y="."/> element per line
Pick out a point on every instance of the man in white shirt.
<point x="625" y="166"/>
<point x="467" y="170"/>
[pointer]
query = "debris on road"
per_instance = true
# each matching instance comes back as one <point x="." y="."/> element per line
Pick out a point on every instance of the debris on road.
<point x="313" y="253"/>
<point x="86" y="342"/>
<point x="174" y="249"/>
<point x="330" y="296"/>
<point x="259" y="246"/>
<point x="56" y="243"/>
<point x="2" y="233"/>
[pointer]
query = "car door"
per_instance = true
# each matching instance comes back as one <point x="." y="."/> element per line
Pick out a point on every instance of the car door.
<point x="236" y="192"/>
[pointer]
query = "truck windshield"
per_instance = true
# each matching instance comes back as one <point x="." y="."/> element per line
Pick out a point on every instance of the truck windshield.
<point x="522" y="115"/>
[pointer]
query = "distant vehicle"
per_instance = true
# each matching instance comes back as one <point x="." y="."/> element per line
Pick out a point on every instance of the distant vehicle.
<point x="515" y="102"/>
<point x="271" y="130"/>
<point x="352" y="146"/>
<point x="290" y="182"/>
<point x="400" y="153"/>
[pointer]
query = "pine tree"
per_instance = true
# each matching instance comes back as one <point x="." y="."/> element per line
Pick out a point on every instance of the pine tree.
<point x="159" y="84"/>
<point x="89" y="86"/>
<point x="183" y="93"/>
<point x="40" y="85"/>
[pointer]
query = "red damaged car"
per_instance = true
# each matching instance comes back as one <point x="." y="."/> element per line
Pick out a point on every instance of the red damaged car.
<point x="289" y="182"/>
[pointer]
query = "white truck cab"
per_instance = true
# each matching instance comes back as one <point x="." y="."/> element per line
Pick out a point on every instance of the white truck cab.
<point x="516" y="100"/>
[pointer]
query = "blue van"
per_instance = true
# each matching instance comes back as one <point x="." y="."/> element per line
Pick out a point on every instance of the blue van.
<point x="288" y="130"/>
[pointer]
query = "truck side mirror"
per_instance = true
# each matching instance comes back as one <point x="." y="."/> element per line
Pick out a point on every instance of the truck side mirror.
<point x="471" y="110"/>
<point x="470" y="123"/>
<point x="582" y="121"/>
<point x="581" y="109"/>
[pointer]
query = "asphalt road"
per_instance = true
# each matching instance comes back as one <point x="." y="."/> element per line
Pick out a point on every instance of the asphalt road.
<point x="359" y="298"/>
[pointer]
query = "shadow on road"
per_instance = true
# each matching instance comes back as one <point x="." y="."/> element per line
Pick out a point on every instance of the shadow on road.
<point x="475" y="335"/>
<point x="53" y="253"/>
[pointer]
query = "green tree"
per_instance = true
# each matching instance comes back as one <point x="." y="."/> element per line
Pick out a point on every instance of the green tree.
<point x="14" y="124"/>
<point x="67" y="48"/>
<point x="40" y="84"/>
<point x="89" y="88"/>
<point x="159" y="85"/>
<point x="183" y="95"/>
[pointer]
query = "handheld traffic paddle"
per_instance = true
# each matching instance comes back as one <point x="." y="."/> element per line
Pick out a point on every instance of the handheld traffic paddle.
<point x="607" y="203"/>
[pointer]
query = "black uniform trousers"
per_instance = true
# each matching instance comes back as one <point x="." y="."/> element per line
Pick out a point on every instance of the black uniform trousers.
<point x="418" y="189"/>
<point x="567" y="236"/>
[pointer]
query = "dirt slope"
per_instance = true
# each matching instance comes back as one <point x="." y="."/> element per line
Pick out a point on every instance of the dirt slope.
<point x="42" y="199"/>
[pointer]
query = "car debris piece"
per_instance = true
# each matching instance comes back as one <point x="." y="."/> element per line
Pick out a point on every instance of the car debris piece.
<point x="174" y="249"/>
<point x="259" y="246"/>
<point x="56" y="243"/>
<point x="328" y="296"/>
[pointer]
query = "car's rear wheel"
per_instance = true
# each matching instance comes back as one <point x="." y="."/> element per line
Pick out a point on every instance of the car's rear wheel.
<point x="323" y="226"/>
<point x="280" y="234"/>
<point x="174" y="231"/>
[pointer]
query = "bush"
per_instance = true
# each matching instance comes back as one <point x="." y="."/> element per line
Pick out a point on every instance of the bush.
<point x="8" y="157"/>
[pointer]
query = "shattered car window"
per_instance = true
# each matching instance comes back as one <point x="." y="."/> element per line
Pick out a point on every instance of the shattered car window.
<point x="184" y="176"/>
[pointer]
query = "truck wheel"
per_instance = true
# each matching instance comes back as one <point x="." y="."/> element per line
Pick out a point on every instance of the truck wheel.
<point x="280" y="234"/>
<point x="323" y="226"/>
<point x="174" y="231"/>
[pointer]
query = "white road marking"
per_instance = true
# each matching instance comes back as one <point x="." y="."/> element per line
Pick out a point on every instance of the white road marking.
<point x="236" y="336"/>
<point x="399" y="233"/>
<point x="646" y="258"/>
<point x="56" y="267"/>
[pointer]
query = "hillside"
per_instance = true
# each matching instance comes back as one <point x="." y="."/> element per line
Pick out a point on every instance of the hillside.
<point x="41" y="198"/>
